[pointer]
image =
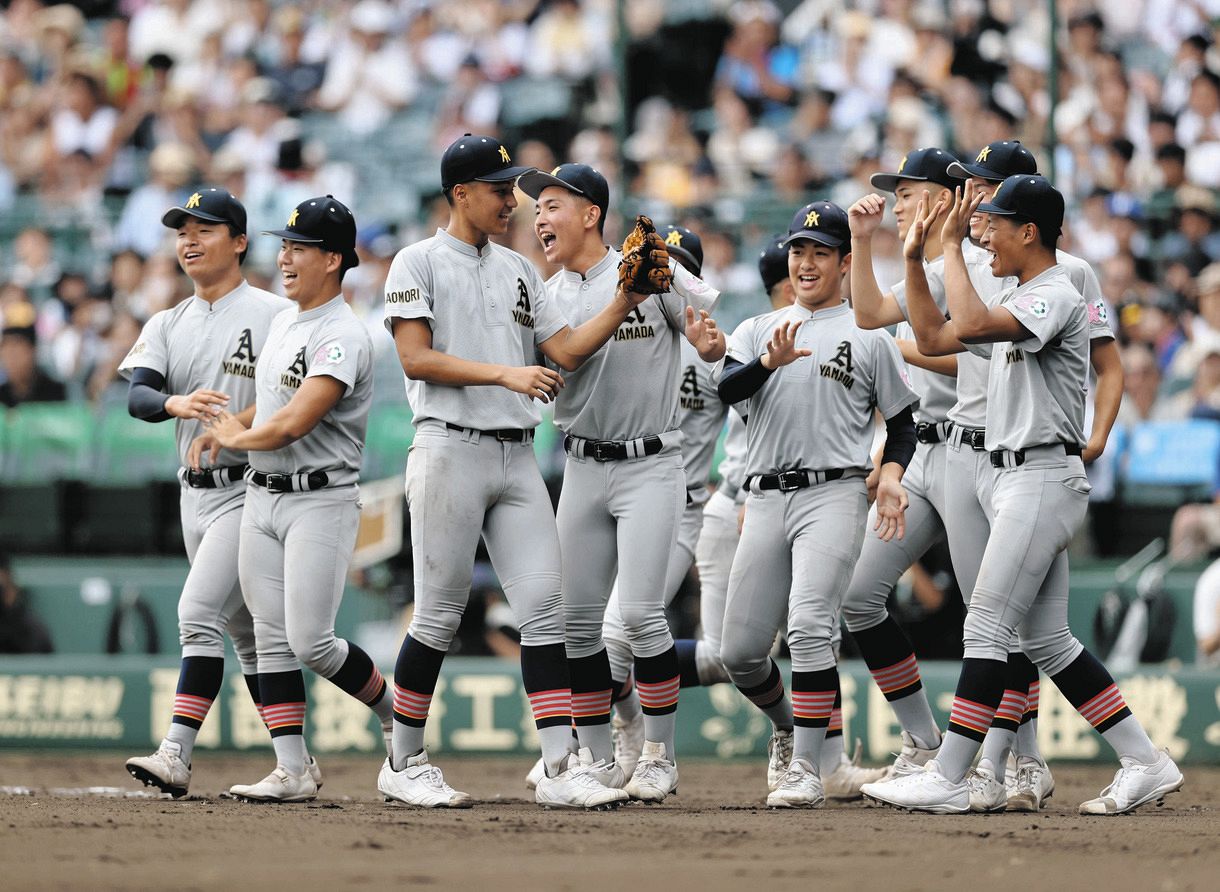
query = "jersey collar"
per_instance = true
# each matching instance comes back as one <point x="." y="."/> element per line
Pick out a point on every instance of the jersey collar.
<point x="800" y="312"/>
<point x="460" y="246"/>
<point x="609" y="261"/>
<point x="221" y="302"/>
<point x="1047" y="275"/>
<point x="327" y="307"/>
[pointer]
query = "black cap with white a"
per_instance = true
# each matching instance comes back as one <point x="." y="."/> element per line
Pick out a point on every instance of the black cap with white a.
<point x="997" y="161"/>
<point x="1030" y="198"/>
<point x="473" y="157"/>
<point x="211" y="205"/>
<point x="581" y="179"/>
<point x="930" y="165"/>
<point x="773" y="261"/>
<point x="821" y="221"/>
<point x="325" y="222"/>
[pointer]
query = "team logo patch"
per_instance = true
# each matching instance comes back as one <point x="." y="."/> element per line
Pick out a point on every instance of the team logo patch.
<point x="1034" y="304"/>
<point x="139" y="348"/>
<point x="332" y="354"/>
<point x="1098" y="313"/>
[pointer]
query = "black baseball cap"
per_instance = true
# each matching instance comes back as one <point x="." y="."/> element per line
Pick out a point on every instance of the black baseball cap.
<point x="773" y="261"/>
<point x="477" y="158"/>
<point x="821" y="221"/>
<point x="324" y="222"/>
<point x="997" y="161"/>
<point x="930" y="165"/>
<point x="684" y="246"/>
<point x="579" y="178"/>
<point x="210" y="204"/>
<point x="1031" y="198"/>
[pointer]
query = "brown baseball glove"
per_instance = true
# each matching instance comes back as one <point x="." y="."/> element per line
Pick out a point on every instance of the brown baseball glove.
<point x="645" y="265"/>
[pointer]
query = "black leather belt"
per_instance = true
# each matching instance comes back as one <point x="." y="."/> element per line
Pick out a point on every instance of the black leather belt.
<point x="787" y="481"/>
<point x="503" y="434"/>
<point x="212" y="478"/>
<point x="974" y="437"/>
<point x="1018" y="455"/>
<point x="289" y="482"/>
<point x="928" y="431"/>
<point x="610" y="450"/>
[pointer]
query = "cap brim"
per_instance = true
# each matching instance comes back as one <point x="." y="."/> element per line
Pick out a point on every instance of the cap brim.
<point x="966" y="171"/>
<point x="888" y="182"/>
<point x="290" y="236"/>
<point x="175" y="217"/>
<point x="533" y="182"/>
<point x="508" y="173"/>
<point x="988" y="208"/>
<point x="814" y="236"/>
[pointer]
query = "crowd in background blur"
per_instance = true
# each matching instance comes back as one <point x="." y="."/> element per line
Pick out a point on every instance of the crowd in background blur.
<point x="733" y="113"/>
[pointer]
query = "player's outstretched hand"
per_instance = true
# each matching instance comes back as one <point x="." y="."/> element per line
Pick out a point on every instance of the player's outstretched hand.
<point x="226" y="427"/>
<point x="782" y="349"/>
<point x="535" y="381"/>
<point x="202" y="405"/>
<point x="204" y="442"/>
<point x="891" y="509"/>
<point x="704" y="335"/>
<point x="957" y="221"/>
<point x="865" y="215"/>
<point x="926" y="214"/>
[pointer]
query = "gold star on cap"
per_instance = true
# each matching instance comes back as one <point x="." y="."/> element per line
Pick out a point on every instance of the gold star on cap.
<point x="292" y="218"/>
<point x="902" y="163"/>
<point x="983" y="155"/>
<point x="674" y="238"/>
<point x="504" y="155"/>
<point x="193" y="201"/>
<point x="554" y="172"/>
<point x="812" y="219"/>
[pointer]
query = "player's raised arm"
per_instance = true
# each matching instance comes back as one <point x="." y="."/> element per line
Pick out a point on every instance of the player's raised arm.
<point x="935" y="335"/>
<point x="873" y="309"/>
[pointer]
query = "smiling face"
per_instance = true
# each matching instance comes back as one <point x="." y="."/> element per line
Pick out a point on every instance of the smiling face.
<point x="906" y="200"/>
<point x="978" y="222"/>
<point x="486" y="206"/>
<point x="304" y="268"/>
<point x="1008" y="240"/>
<point x="816" y="273"/>
<point x="563" y="222"/>
<point x="207" y="251"/>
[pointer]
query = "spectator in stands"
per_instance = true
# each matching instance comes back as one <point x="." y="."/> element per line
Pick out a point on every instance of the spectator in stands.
<point x="171" y="166"/>
<point x="21" y="630"/>
<point x="80" y="121"/>
<point x="470" y="104"/>
<point x="1193" y="240"/>
<point x="755" y="65"/>
<point x="262" y="127"/>
<point x="34" y="268"/>
<point x="1141" y="388"/>
<point x="21" y="380"/>
<point x="1207" y="618"/>
<point x="370" y="75"/>
<point x="297" y="78"/>
<point x="567" y="41"/>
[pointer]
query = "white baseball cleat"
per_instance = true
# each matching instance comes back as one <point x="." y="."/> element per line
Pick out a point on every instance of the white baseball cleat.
<point x="655" y="776"/>
<point x="911" y="758"/>
<point x="987" y="794"/>
<point x="610" y="776"/>
<point x="164" y="769"/>
<point x="537" y="773"/>
<point x="1029" y="784"/>
<point x="420" y="783"/>
<point x="314" y="770"/>
<point x="845" y="781"/>
<point x="628" y="742"/>
<point x="577" y="787"/>
<point x="926" y="790"/>
<point x="779" y="757"/>
<point x="278" y="786"/>
<point x="800" y="787"/>
<point x="1135" y="785"/>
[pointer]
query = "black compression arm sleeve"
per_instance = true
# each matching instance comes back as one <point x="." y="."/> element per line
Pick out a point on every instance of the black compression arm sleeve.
<point x="740" y="381"/>
<point x="144" y="398"/>
<point x="899" y="438"/>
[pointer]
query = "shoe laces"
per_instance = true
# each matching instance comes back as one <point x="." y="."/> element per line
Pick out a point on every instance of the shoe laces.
<point x="795" y="776"/>
<point x="650" y="770"/>
<point x="1028" y="777"/>
<point x="433" y="777"/>
<point x="780" y="747"/>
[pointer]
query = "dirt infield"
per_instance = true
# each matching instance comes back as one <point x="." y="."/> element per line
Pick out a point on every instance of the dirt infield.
<point x="714" y="835"/>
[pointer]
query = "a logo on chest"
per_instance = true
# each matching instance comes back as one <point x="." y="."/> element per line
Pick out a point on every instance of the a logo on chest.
<point x="691" y="396"/>
<point x="296" y="372"/>
<point x="1014" y="355"/>
<point x="241" y="363"/>
<point x="634" y="327"/>
<point x="839" y="367"/>
<point x="523" y="313"/>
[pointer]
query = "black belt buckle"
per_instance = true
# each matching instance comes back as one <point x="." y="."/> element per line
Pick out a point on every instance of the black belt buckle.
<point x="975" y="438"/>
<point x="279" y="483"/>
<point x="603" y="450"/>
<point x="790" y="480"/>
<point x="200" y="479"/>
<point x="926" y="432"/>
<point x="508" y="435"/>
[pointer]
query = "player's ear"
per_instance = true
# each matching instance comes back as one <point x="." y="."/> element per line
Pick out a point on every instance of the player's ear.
<point x="592" y="214"/>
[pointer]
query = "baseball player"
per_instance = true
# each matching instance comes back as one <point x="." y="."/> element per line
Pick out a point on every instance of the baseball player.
<point x="189" y="362"/>
<point x="467" y="317"/>
<point x="800" y="369"/>
<point x="1029" y="782"/>
<point x="624" y="490"/>
<point x="1036" y="336"/>
<point x="305" y="437"/>
<point x="884" y="646"/>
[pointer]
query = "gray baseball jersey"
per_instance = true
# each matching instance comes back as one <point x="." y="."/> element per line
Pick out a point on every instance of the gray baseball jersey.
<point x="937" y="392"/>
<point x="327" y="340"/>
<point x="629" y="387"/>
<point x="733" y="466"/>
<point x="487" y="306"/>
<point x="1035" y="389"/>
<point x="816" y="413"/>
<point x="702" y="416"/>
<point x="215" y="346"/>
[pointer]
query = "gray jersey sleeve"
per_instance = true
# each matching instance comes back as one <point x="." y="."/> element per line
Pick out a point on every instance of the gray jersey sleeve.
<point x="935" y="274"/>
<point x="742" y="343"/>
<point x="548" y="317"/>
<point x="1084" y="278"/>
<point x="1042" y="318"/>
<point x="408" y="288"/>
<point x="692" y="290"/>
<point x="336" y="353"/>
<point x="151" y="350"/>
<point x="892" y="390"/>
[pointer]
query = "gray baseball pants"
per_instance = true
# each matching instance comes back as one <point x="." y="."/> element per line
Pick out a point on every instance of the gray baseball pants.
<point x="714" y="560"/>
<point x="462" y="485"/>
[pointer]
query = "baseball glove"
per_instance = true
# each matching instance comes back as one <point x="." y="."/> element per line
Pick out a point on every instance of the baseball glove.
<point x="645" y="265"/>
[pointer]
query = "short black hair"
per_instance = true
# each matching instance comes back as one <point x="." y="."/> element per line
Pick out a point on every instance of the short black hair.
<point x="1049" y="240"/>
<point x="1171" y="151"/>
<point x="234" y="232"/>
